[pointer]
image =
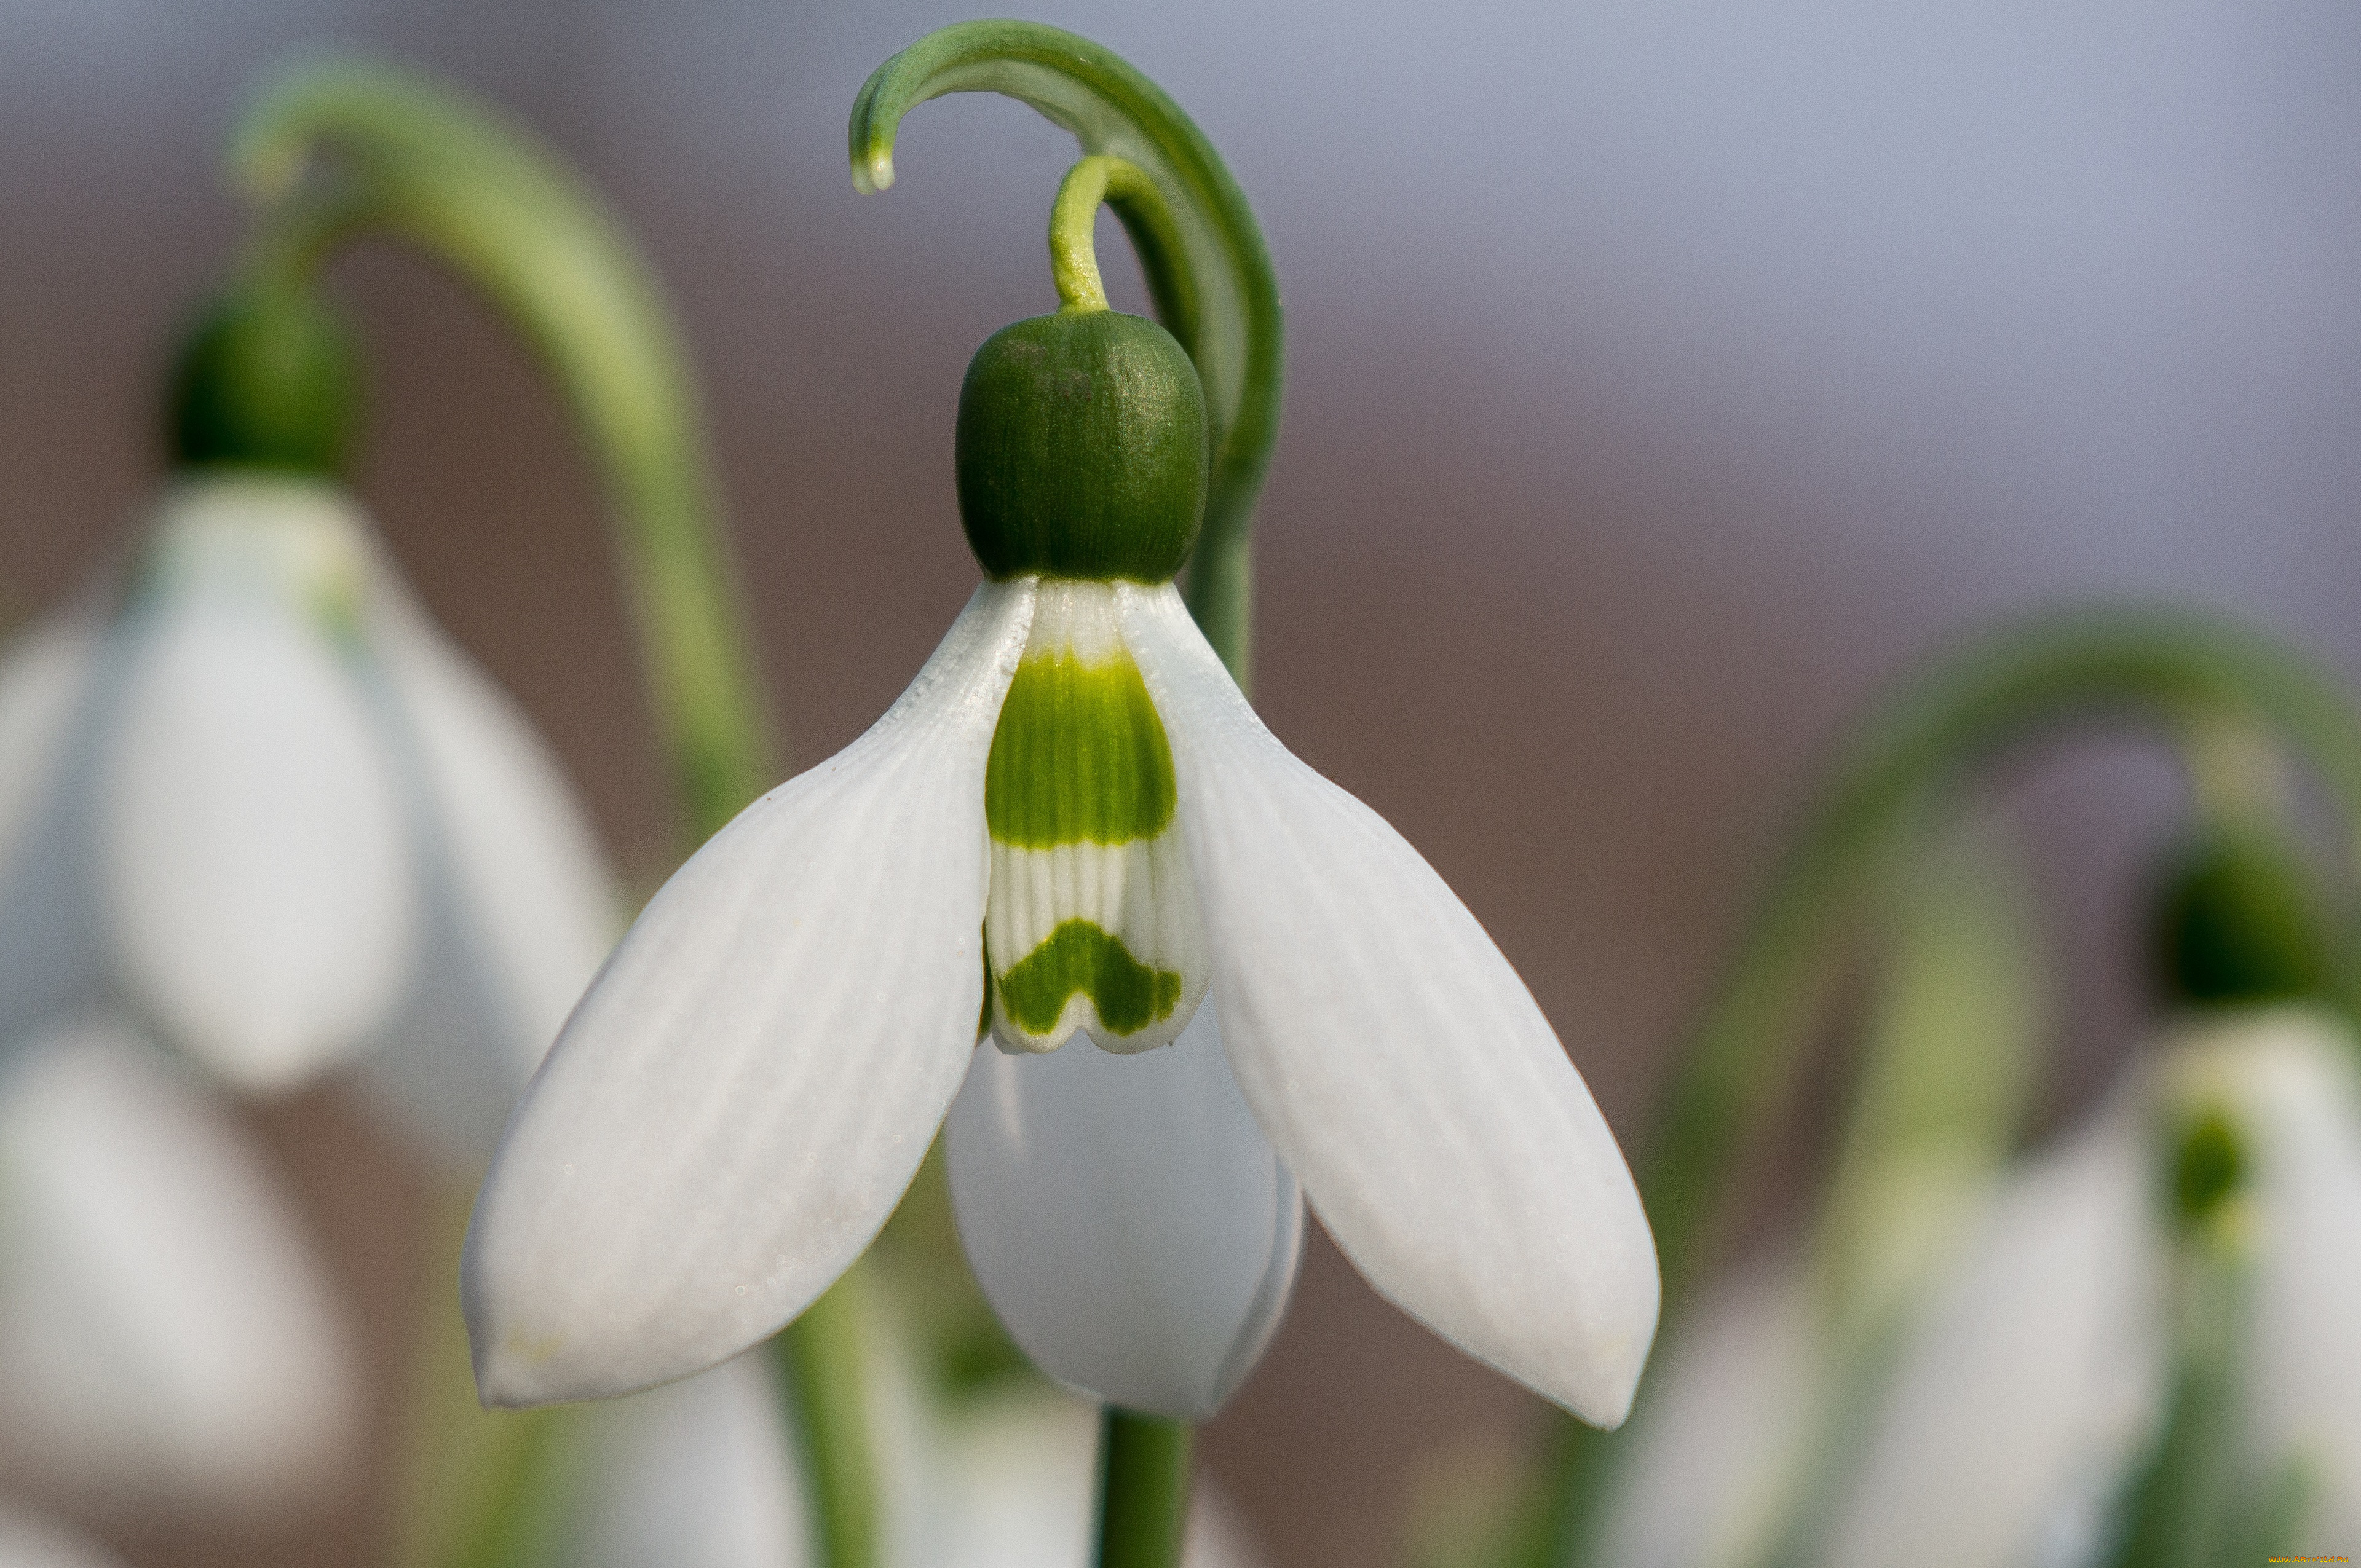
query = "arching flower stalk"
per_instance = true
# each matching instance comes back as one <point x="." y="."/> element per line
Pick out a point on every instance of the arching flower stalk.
<point x="1072" y="824"/>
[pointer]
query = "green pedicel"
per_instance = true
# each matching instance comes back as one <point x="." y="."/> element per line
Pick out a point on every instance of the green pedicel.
<point x="1078" y="757"/>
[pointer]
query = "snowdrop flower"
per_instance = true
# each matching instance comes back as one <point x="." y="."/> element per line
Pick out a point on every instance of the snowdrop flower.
<point x="2060" y="1292"/>
<point x="1072" y="824"/>
<point x="263" y="804"/>
<point x="167" y="1342"/>
<point x="2042" y="1370"/>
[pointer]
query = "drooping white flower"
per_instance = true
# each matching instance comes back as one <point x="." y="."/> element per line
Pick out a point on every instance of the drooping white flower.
<point x="747" y="1089"/>
<point x="2040" y="1376"/>
<point x="2032" y="1375"/>
<point x="262" y="801"/>
<point x="167" y="1341"/>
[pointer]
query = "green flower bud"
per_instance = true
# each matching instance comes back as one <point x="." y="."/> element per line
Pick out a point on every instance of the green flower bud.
<point x="265" y="378"/>
<point x="2239" y="920"/>
<point x="1080" y="449"/>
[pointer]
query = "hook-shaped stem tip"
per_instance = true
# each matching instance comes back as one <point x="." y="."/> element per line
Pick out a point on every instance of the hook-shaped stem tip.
<point x="1074" y="223"/>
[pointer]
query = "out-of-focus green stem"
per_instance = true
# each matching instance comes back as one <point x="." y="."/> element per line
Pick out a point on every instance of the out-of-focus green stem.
<point x="2164" y="670"/>
<point x="481" y="1488"/>
<point x="1144" y="1468"/>
<point x="352" y="148"/>
<point x="349" y="148"/>
<point x="1206" y="266"/>
<point x="820" y="1362"/>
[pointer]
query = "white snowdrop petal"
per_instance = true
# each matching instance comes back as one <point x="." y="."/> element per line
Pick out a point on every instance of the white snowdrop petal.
<point x="44" y="675"/>
<point x="1395" y="1060"/>
<point x="1093" y="921"/>
<point x="28" y="1540"/>
<point x="1700" y="1478"/>
<point x="695" y="1474"/>
<point x="1126" y="1217"/>
<point x="51" y="949"/>
<point x="751" y="1082"/>
<point x="167" y="1341"/>
<point x="2034" y="1374"/>
<point x="255" y="860"/>
<point x="518" y="906"/>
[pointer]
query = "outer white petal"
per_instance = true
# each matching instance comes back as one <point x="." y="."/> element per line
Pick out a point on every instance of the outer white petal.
<point x="50" y="950"/>
<point x="1701" y="1473"/>
<point x="2290" y="1077"/>
<point x="2036" y="1375"/>
<point x="751" y="1082"/>
<point x="165" y="1341"/>
<point x="1395" y="1060"/>
<point x="28" y="1540"/>
<point x="520" y="907"/>
<point x="696" y="1475"/>
<point x="255" y="861"/>
<point x="1126" y="1217"/>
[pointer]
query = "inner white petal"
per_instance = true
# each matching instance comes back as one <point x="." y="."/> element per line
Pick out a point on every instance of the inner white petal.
<point x="1091" y="921"/>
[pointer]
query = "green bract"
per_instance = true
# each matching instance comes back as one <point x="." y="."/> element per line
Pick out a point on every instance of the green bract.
<point x="268" y="378"/>
<point x="1081" y="450"/>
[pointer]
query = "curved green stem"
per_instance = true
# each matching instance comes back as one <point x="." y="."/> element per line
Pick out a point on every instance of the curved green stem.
<point x="480" y="193"/>
<point x="2167" y="670"/>
<point x="1207" y="269"/>
<point x="1073" y="220"/>
<point x="1144" y="1468"/>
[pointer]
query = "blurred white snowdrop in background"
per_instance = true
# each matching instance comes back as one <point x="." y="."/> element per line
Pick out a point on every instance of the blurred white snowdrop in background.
<point x="262" y="803"/>
<point x="2042" y="1369"/>
<point x="168" y="1341"/>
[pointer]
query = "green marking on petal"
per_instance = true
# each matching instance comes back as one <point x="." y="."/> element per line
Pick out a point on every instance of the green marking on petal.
<point x="1081" y="957"/>
<point x="1078" y="757"/>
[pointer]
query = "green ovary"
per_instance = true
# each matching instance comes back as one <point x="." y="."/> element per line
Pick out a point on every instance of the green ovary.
<point x="1079" y="756"/>
<point x="1081" y="957"/>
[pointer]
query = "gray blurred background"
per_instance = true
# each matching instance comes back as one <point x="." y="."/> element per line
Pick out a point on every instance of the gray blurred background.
<point x="1663" y="380"/>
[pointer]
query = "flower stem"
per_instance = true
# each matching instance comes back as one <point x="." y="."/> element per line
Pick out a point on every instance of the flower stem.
<point x="1074" y="223"/>
<point x="820" y="1363"/>
<point x="2177" y="671"/>
<point x="482" y="195"/>
<point x="1207" y="268"/>
<point x="1144" y="1468"/>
